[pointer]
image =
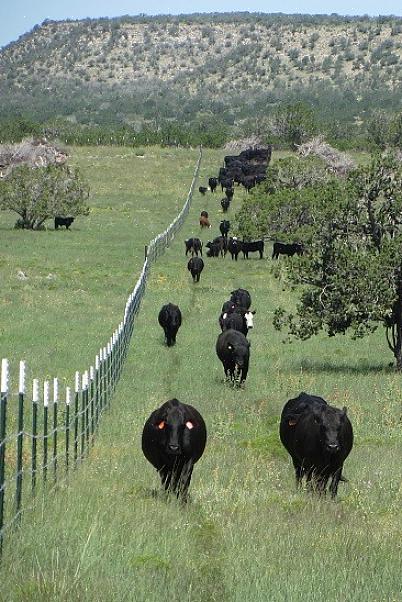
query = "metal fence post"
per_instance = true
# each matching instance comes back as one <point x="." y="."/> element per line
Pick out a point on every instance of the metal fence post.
<point x="55" y="408"/>
<point x="45" y="427"/>
<point x="20" y="436"/>
<point x="3" y="421"/>
<point x="35" y="402"/>
<point x="67" y="427"/>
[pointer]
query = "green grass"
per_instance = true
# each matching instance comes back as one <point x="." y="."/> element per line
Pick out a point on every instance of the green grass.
<point x="246" y="534"/>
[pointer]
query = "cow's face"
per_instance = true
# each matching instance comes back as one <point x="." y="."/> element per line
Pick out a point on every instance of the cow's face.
<point x="330" y="422"/>
<point x="173" y="431"/>
<point x="249" y="317"/>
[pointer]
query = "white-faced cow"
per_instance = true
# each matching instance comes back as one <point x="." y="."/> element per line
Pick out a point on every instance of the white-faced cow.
<point x="173" y="440"/>
<point x="319" y="438"/>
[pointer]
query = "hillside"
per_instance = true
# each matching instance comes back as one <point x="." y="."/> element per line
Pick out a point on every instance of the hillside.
<point x="224" y="68"/>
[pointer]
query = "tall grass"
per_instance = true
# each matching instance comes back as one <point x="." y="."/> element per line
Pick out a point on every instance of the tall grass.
<point x="246" y="533"/>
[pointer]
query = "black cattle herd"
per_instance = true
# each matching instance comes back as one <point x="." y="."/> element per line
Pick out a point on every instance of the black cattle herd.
<point x="317" y="436"/>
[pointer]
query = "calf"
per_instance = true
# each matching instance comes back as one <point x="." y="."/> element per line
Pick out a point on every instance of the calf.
<point x="289" y="249"/>
<point x="234" y="247"/>
<point x="253" y="247"/>
<point x="170" y="319"/>
<point x="194" y="245"/>
<point x="233" y="349"/>
<point x="204" y="214"/>
<point x="173" y="440"/>
<point x="217" y="246"/>
<point x="213" y="183"/>
<point x="203" y="190"/>
<point x="204" y="222"/>
<point x="195" y="266"/>
<point x="62" y="221"/>
<point x="318" y="437"/>
<point x="241" y="298"/>
<point x="224" y="227"/>
<point x="225" y="203"/>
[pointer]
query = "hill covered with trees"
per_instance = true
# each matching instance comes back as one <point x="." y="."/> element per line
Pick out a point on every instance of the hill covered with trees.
<point x="212" y="75"/>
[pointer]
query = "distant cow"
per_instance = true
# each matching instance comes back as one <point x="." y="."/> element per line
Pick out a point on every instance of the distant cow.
<point x="62" y="221"/>
<point x="226" y="183"/>
<point x="213" y="183"/>
<point x="233" y="349"/>
<point x="281" y="248"/>
<point x="225" y="203"/>
<point x="224" y="227"/>
<point x="193" y="245"/>
<point x="202" y="189"/>
<point x="240" y="319"/>
<point x="204" y="214"/>
<point x="318" y="437"/>
<point x="253" y="247"/>
<point x="195" y="266"/>
<point x="241" y="298"/>
<point x="229" y="192"/>
<point x="204" y="222"/>
<point x="234" y="247"/>
<point x="170" y="319"/>
<point x="173" y="440"/>
<point x="217" y="247"/>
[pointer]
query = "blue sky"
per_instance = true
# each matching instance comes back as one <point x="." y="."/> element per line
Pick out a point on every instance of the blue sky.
<point x="19" y="16"/>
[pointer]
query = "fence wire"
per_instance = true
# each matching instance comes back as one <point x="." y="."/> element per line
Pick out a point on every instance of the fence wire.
<point x="53" y="436"/>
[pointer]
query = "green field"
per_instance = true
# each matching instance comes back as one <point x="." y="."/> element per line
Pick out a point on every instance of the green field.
<point x="246" y="534"/>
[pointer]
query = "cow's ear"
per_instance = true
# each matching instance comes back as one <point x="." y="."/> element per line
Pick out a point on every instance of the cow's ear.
<point x="189" y="424"/>
<point x="253" y="312"/>
<point x="248" y="343"/>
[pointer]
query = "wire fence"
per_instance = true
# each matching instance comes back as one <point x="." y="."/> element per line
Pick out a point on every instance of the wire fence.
<point x="53" y="431"/>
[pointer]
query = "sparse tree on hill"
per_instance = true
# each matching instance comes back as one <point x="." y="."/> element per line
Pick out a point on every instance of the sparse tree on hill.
<point x="37" y="194"/>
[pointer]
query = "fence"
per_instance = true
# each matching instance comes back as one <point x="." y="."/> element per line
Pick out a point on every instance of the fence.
<point x="52" y="435"/>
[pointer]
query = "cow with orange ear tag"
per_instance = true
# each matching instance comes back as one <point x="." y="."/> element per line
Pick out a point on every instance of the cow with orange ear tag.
<point x="173" y="440"/>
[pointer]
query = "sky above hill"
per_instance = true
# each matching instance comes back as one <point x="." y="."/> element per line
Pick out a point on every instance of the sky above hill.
<point x="19" y="16"/>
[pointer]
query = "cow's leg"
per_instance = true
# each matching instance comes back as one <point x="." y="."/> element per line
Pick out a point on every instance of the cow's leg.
<point x="336" y="477"/>
<point x="166" y="477"/>
<point x="261" y="254"/>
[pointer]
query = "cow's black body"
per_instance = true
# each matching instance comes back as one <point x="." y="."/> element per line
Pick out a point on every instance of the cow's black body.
<point x="195" y="266"/>
<point x="234" y="247"/>
<point x="193" y="245"/>
<point x="62" y="221"/>
<point x="233" y="349"/>
<point x="256" y="246"/>
<point x="289" y="249"/>
<point x="225" y="204"/>
<point x="170" y="319"/>
<point x="224" y="227"/>
<point x="241" y="298"/>
<point x="213" y="183"/>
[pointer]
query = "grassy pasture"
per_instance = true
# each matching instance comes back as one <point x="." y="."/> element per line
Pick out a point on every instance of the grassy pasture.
<point x="247" y="534"/>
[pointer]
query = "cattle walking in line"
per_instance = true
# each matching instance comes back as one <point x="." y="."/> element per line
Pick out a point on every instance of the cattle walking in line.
<point x="289" y="249"/>
<point x="204" y="222"/>
<point x="213" y="184"/>
<point x="203" y="190"/>
<point x="241" y="298"/>
<point x="217" y="247"/>
<point x="224" y="227"/>
<point x="256" y="246"/>
<point x="233" y="349"/>
<point x="62" y="221"/>
<point x="234" y="247"/>
<point x="225" y="204"/>
<point x="193" y="245"/>
<point x="195" y="266"/>
<point x="319" y="438"/>
<point x="173" y="440"/>
<point x="170" y="319"/>
<point x="240" y="319"/>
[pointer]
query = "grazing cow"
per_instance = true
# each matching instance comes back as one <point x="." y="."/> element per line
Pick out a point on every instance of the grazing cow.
<point x="194" y="245"/>
<point x="195" y="266"/>
<point x="241" y="298"/>
<point x="225" y="204"/>
<point x="229" y="192"/>
<point x="233" y="349"/>
<point x="224" y="227"/>
<point x="240" y="319"/>
<point x="203" y="190"/>
<point x="204" y="214"/>
<point x="281" y="248"/>
<point x="213" y="183"/>
<point x="253" y="247"/>
<point x="319" y="437"/>
<point x="204" y="222"/>
<point x="234" y="247"/>
<point x="173" y="440"/>
<point x="62" y="221"/>
<point x="170" y="319"/>
<point x="217" y="246"/>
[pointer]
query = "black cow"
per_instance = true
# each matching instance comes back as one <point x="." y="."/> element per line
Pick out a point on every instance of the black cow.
<point x="213" y="183"/>
<point x="289" y="249"/>
<point x="170" y="319"/>
<point x="224" y="227"/>
<point x="248" y="182"/>
<point x="318" y="437"/>
<point x="63" y="221"/>
<point x="239" y="319"/>
<point x="195" y="266"/>
<point x="225" y="203"/>
<point x="226" y="183"/>
<point x="253" y="247"/>
<point x="233" y="349"/>
<point x="241" y="298"/>
<point x="229" y="192"/>
<point x="227" y="308"/>
<point x="217" y="246"/>
<point x="203" y="189"/>
<point x="194" y="245"/>
<point x="234" y="247"/>
<point x="173" y="440"/>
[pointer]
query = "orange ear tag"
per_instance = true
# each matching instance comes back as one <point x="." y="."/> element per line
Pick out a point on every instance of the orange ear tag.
<point x="161" y="425"/>
<point x="189" y="425"/>
<point x="292" y="422"/>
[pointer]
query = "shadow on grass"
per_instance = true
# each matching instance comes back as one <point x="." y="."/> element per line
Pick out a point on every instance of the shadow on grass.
<point x="325" y="366"/>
